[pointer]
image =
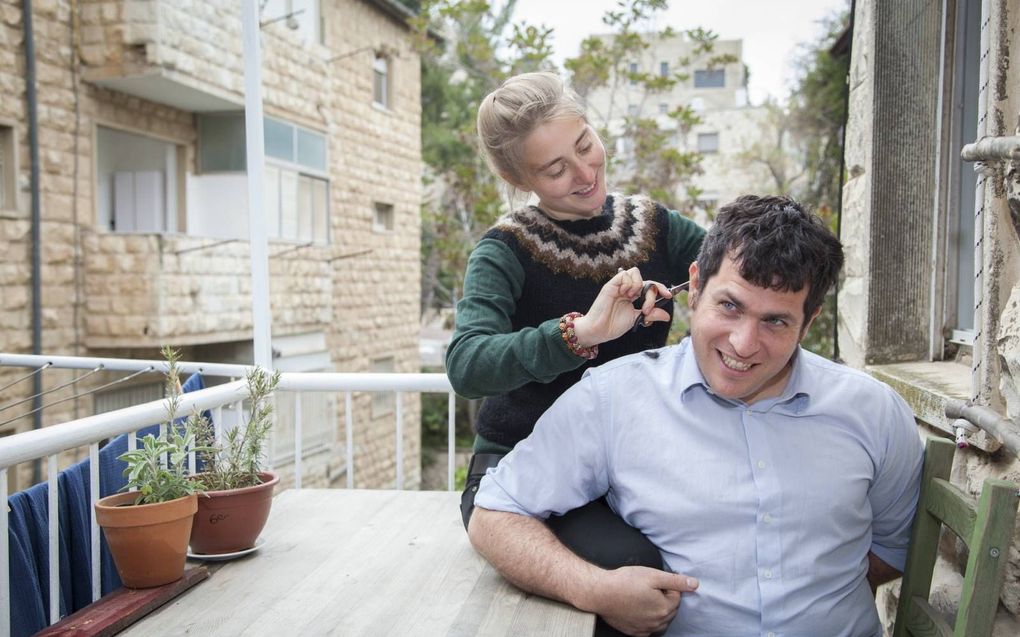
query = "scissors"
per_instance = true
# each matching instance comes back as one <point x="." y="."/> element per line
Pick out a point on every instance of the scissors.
<point x="660" y="302"/>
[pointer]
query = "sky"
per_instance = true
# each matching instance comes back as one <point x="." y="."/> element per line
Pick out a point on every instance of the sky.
<point x="770" y="29"/>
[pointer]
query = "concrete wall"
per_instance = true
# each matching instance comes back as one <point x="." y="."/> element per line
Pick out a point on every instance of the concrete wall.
<point x="149" y="67"/>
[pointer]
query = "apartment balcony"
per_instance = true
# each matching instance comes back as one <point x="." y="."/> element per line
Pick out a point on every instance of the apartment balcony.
<point x="330" y="561"/>
<point x="145" y="290"/>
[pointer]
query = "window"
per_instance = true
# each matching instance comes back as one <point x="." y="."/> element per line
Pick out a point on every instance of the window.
<point x="632" y="68"/>
<point x="381" y="81"/>
<point x="959" y="306"/>
<point x="8" y="179"/>
<point x="633" y="110"/>
<point x="137" y="182"/>
<point x="663" y="69"/>
<point x="383" y="221"/>
<point x="296" y="180"/>
<point x="708" y="143"/>
<point x="383" y="402"/>
<point x="663" y="108"/>
<point x="710" y="78"/>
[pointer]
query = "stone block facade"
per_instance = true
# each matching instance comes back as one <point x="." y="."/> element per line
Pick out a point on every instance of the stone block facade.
<point x="153" y="69"/>
<point x="926" y="79"/>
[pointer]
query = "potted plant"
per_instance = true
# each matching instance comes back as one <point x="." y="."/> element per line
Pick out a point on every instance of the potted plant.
<point x="147" y="530"/>
<point x="237" y="491"/>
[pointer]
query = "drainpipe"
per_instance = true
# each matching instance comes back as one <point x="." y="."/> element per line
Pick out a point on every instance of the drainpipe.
<point x="33" y="154"/>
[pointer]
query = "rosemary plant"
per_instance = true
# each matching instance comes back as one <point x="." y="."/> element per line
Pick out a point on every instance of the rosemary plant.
<point x="236" y="463"/>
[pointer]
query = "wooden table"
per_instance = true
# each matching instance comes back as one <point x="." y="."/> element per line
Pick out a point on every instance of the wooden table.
<point x="354" y="562"/>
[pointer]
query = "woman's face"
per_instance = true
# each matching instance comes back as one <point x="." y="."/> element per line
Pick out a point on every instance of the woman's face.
<point x="565" y="165"/>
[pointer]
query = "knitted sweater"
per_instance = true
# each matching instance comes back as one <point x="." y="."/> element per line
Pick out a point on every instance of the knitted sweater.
<point x="528" y="271"/>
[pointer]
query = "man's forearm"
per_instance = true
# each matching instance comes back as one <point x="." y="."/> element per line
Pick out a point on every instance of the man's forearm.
<point x="526" y="552"/>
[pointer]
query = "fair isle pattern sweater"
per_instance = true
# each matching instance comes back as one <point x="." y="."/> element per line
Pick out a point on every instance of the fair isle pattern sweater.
<point x="528" y="271"/>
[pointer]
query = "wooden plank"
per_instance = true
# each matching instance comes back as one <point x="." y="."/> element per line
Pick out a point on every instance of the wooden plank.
<point x="956" y="509"/>
<point x="925" y="621"/>
<point x="924" y="536"/>
<point x="121" y="608"/>
<point x="352" y="562"/>
<point x="986" y="564"/>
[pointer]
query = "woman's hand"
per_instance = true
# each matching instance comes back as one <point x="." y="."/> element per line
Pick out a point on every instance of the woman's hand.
<point x="613" y="314"/>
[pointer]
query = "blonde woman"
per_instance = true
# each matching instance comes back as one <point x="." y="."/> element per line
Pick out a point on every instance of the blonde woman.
<point x="550" y="289"/>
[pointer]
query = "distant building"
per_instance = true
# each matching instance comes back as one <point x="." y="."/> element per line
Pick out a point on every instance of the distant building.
<point x="144" y="223"/>
<point x="729" y="131"/>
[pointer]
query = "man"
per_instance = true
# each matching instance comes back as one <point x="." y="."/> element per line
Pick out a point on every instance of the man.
<point x="777" y="485"/>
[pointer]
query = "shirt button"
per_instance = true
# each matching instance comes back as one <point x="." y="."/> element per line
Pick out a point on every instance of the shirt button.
<point x="762" y="464"/>
<point x="767" y="518"/>
<point x="767" y="573"/>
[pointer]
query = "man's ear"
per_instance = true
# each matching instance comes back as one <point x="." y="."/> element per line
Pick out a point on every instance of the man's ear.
<point x="692" y="288"/>
<point x="807" y="324"/>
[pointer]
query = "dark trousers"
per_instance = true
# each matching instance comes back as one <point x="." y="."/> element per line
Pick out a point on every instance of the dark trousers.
<point x="594" y="532"/>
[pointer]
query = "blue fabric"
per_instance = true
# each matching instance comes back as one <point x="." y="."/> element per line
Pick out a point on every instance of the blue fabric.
<point x="773" y="505"/>
<point x="28" y="536"/>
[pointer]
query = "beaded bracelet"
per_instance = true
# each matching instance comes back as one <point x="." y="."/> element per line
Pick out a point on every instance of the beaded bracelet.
<point x="567" y="333"/>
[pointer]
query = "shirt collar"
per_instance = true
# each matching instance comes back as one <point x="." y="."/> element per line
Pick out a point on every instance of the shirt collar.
<point x="794" y="398"/>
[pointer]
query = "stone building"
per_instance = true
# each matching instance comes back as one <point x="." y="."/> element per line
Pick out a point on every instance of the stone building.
<point x="931" y="297"/>
<point x="142" y="202"/>
<point x="730" y="131"/>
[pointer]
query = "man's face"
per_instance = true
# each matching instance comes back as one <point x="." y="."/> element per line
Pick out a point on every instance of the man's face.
<point x="744" y="336"/>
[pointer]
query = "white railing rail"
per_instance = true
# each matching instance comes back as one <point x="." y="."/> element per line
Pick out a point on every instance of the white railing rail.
<point x="50" y="441"/>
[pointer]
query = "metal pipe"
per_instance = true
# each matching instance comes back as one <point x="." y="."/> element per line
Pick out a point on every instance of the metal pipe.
<point x="254" y="136"/>
<point x="992" y="149"/>
<point x="32" y="111"/>
<point x="1002" y="429"/>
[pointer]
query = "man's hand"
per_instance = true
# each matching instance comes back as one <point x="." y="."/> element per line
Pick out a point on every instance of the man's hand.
<point x="640" y="601"/>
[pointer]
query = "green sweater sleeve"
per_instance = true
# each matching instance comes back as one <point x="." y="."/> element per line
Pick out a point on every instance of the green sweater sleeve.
<point x="485" y="356"/>
<point x="684" y="240"/>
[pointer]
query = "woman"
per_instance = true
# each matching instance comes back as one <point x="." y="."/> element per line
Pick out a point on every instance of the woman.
<point x="521" y="338"/>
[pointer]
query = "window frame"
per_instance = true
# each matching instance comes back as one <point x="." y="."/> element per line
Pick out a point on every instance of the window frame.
<point x="706" y="136"/>
<point x="384" y="216"/>
<point x="702" y="77"/>
<point x="8" y="166"/>
<point x="382" y="67"/>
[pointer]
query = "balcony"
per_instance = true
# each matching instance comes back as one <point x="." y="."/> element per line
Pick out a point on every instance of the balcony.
<point x="347" y="561"/>
<point x="142" y="290"/>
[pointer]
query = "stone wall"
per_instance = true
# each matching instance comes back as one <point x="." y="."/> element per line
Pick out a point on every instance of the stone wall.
<point x="122" y="295"/>
<point x="997" y="347"/>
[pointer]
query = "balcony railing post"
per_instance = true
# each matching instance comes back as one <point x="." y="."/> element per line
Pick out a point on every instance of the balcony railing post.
<point x="5" y="560"/>
<point x="97" y="567"/>
<point x="349" y="426"/>
<point x="451" y="412"/>
<point x="298" y="450"/>
<point x="53" y="529"/>
<point x="400" y="441"/>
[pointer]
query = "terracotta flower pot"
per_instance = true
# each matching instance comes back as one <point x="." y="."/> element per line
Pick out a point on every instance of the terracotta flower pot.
<point x="231" y="520"/>
<point x="149" y="542"/>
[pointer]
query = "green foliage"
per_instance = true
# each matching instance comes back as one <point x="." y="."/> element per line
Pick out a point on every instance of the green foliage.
<point x="656" y="163"/>
<point x="818" y="113"/>
<point x="145" y="470"/>
<point x="237" y="463"/>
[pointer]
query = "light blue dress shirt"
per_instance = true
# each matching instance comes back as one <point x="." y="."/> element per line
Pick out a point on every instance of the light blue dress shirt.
<point x="772" y="506"/>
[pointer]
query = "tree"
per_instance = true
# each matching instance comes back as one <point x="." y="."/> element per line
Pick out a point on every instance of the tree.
<point x="655" y="145"/>
<point x="817" y="115"/>
<point x="480" y="49"/>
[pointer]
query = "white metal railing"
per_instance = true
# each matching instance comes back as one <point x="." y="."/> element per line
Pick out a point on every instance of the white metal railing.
<point x="48" y="442"/>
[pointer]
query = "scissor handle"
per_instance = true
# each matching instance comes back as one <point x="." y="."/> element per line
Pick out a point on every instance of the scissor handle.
<point x="659" y="302"/>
